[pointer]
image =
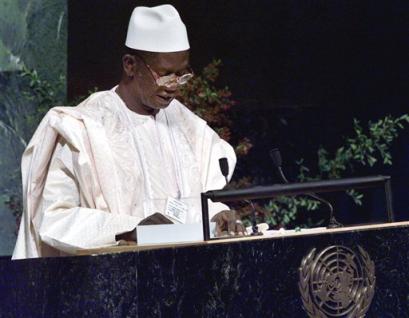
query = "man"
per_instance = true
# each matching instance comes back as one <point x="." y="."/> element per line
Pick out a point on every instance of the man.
<point x="91" y="173"/>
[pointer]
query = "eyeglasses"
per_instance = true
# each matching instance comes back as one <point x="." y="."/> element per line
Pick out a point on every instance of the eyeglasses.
<point x="170" y="80"/>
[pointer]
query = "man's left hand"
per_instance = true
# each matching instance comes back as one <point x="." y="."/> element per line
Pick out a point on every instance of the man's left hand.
<point x="228" y="222"/>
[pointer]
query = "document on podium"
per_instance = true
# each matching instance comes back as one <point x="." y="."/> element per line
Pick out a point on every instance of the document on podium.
<point x="160" y="229"/>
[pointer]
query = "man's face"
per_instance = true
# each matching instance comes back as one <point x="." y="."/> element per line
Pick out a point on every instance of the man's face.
<point x="152" y="66"/>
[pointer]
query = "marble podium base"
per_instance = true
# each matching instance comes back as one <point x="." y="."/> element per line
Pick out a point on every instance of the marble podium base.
<point x="249" y="277"/>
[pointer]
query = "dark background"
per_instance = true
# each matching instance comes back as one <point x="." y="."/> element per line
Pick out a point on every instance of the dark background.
<point x="299" y="70"/>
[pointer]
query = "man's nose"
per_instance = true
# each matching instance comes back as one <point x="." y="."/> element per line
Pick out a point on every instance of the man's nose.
<point x="171" y="89"/>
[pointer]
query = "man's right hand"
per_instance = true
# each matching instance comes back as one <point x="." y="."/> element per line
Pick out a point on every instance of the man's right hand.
<point x="127" y="238"/>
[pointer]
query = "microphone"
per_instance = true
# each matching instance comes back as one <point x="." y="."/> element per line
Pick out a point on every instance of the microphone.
<point x="224" y="168"/>
<point x="277" y="161"/>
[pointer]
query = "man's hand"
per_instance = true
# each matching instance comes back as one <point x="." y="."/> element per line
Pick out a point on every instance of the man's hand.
<point x="228" y="222"/>
<point x="127" y="238"/>
<point x="155" y="218"/>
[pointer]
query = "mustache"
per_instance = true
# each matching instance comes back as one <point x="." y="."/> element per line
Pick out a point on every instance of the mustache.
<point x="167" y="94"/>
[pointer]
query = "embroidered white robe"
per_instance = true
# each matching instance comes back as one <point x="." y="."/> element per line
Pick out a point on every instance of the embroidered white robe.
<point x="96" y="170"/>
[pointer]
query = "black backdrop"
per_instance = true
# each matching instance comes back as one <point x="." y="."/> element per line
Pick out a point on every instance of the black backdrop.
<point x="300" y="70"/>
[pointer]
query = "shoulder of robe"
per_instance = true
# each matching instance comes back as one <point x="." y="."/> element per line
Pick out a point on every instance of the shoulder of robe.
<point x="68" y="121"/>
<point x="184" y="114"/>
<point x="91" y="108"/>
<point x="98" y="106"/>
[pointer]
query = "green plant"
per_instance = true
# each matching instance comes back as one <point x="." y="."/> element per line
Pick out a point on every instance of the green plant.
<point x="41" y="94"/>
<point x="283" y="209"/>
<point x="365" y="148"/>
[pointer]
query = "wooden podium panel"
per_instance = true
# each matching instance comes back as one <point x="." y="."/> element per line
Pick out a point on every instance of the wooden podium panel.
<point x="345" y="270"/>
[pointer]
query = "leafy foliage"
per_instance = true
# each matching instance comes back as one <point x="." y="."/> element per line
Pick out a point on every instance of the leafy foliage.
<point x="365" y="148"/>
<point x="283" y="209"/>
<point x="41" y="93"/>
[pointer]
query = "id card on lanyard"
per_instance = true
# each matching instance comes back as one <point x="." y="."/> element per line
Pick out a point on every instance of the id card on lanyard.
<point x="177" y="210"/>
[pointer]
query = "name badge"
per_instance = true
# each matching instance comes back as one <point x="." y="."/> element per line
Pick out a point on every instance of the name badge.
<point x="176" y="210"/>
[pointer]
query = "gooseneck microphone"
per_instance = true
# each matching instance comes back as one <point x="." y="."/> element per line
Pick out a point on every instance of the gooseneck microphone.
<point x="224" y="168"/>
<point x="277" y="161"/>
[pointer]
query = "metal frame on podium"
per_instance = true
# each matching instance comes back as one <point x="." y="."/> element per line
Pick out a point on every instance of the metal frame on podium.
<point x="265" y="192"/>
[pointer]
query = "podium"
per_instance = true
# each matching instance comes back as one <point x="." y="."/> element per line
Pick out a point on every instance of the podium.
<point x="353" y="271"/>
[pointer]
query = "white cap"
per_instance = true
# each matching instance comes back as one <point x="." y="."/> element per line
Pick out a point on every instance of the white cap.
<point x="157" y="29"/>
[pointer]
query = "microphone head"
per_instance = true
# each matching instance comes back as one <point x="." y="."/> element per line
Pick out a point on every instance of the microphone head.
<point x="224" y="166"/>
<point x="276" y="157"/>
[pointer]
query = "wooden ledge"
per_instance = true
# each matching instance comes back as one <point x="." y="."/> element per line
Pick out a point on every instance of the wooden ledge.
<point x="268" y="235"/>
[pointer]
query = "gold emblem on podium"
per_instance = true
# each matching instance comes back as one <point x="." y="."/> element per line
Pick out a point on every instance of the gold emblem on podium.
<point x="337" y="282"/>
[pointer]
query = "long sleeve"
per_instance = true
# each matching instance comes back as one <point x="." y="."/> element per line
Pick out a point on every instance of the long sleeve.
<point x="66" y="221"/>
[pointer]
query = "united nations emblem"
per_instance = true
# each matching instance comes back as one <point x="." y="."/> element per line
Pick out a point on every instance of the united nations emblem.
<point x="337" y="282"/>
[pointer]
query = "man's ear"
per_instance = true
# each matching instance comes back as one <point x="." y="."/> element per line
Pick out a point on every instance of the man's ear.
<point x="128" y="65"/>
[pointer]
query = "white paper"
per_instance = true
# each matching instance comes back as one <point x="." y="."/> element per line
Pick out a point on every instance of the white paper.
<point x="171" y="233"/>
